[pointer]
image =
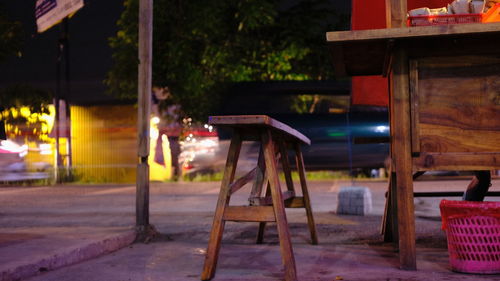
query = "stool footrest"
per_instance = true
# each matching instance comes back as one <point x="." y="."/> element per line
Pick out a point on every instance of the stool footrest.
<point x="295" y="202"/>
<point x="249" y="213"/>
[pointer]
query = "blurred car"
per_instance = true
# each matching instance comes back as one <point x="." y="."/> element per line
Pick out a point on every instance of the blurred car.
<point x="357" y="140"/>
<point x="17" y="165"/>
<point x="12" y="157"/>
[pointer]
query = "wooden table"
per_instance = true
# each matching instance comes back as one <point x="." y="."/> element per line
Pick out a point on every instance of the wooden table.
<point x="444" y="103"/>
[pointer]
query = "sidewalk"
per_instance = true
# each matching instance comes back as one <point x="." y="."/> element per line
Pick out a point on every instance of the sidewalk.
<point x="48" y="228"/>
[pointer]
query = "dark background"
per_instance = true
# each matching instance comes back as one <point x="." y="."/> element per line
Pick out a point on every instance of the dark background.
<point x="90" y="54"/>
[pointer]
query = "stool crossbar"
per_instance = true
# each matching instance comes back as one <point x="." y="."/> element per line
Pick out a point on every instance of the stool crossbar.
<point x="277" y="139"/>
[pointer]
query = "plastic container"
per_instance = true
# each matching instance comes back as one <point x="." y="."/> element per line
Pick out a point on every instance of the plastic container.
<point x="473" y="234"/>
<point x="493" y="15"/>
<point x="443" y="19"/>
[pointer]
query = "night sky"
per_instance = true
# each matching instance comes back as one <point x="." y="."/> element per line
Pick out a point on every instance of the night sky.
<point x="90" y="54"/>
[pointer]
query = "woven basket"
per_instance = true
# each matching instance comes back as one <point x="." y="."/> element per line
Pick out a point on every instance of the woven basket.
<point x="473" y="233"/>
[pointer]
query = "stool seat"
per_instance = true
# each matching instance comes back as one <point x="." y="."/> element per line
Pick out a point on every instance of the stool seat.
<point x="277" y="139"/>
<point x="258" y="121"/>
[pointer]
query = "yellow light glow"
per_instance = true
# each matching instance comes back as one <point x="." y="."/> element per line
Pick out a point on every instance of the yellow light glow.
<point x="155" y="120"/>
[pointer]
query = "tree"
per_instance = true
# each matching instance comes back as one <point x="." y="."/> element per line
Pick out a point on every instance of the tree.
<point x="10" y="35"/>
<point x="201" y="46"/>
<point x="20" y="105"/>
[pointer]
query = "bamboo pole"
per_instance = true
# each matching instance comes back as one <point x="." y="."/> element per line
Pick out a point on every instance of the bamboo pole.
<point x="144" y="105"/>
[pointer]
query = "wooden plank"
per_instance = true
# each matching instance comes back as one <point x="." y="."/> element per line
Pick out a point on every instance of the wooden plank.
<point x="396" y="11"/>
<point x="262" y="225"/>
<point x="279" y="208"/>
<point x="214" y="241"/>
<point x="239" y="183"/>
<point x="369" y="57"/>
<point x="413" y="32"/>
<point x="305" y="193"/>
<point x="258" y="120"/>
<point x="415" y="143"/>
<point x="457" y="161"/>
<point x="268" y="200"/>
<point x="249" y="213"/>
<point x="143" y="111"/>
<point x="459" y="106"/>
<point x="402" y="160"/>
<point x="285" y="164"/>
<point x="142" y="196"/>
<point x="145" y="75"/>
<point x="260" y="178"/>
<point x="295" y="202"/>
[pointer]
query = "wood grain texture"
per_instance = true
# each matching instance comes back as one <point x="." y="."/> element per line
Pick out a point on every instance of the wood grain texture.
<point x="249" y="213"/>
<point x="301" y="169"/>
<point x="396" y="13"/>
<point x="285" y="164"/>
<point x="215" y="239"/>
<point x="142" y="195"/>
<point x="412" y="32"/>
<point x="260" y="178"/>
<point x="145" y="75"/>
<point x="259" y="120"/>
<point x="295" y="202"/>
<point x="415" y="122"/>
<point x="363" y="52"/>
<point x="401" y="142"/>
<point x="239" y="183"/>
<point x="459" y="104"/>
<point x="457" y="161"/>
<point x="279" y="208"/>
<point x="262" y="225"/>
<point x="275" y="138"/>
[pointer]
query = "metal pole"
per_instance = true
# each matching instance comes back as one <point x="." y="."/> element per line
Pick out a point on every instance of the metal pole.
<point x="57" y="97"/>
<point x="69" y="158"/>
<point x="144" y="105"/>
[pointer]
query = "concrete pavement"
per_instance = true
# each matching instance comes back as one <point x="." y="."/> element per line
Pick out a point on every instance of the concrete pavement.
<point x="86" y="233"/>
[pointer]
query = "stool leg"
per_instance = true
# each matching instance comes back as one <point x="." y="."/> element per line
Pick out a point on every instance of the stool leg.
<point x="259" y="178"/>
<point x="305" y="193"/>
<point x="224" y="196"/>
<point x="285" y="163"/>
<point x="256" y="192"/>
<point x="262" y="225"/>
<point x="279" y="208"/>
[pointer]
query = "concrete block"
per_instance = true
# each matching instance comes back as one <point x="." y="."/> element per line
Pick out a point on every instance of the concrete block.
<point x="354" y="200"/>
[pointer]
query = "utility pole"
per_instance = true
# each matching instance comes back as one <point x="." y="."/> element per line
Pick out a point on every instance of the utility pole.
<point x="144" y="107"/>
<point x="63" y="60"/>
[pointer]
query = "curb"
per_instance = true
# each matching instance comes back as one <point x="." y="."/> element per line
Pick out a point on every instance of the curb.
<point x="69" y="256"/>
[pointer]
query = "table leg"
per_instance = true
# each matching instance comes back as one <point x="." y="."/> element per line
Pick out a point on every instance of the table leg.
<point x="401" y="153"/>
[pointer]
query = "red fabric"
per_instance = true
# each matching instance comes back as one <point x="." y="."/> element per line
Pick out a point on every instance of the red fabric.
<point x="373" y="90"/>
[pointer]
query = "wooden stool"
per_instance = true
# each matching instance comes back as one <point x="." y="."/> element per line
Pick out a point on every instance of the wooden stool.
<point x="275" y="138"/>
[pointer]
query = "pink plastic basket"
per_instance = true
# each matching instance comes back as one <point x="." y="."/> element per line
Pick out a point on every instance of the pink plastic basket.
<point x="473" y="233"/>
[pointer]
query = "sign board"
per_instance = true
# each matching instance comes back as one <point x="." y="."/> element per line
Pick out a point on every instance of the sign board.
<point x="50" y="12"/>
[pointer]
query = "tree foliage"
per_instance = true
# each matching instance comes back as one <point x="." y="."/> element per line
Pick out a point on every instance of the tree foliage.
<point x="10" y="35"/>
<point x="201" y="46"/>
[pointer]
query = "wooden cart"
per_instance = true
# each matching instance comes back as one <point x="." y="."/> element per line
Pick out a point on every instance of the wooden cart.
<point x="444" y="102"/>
